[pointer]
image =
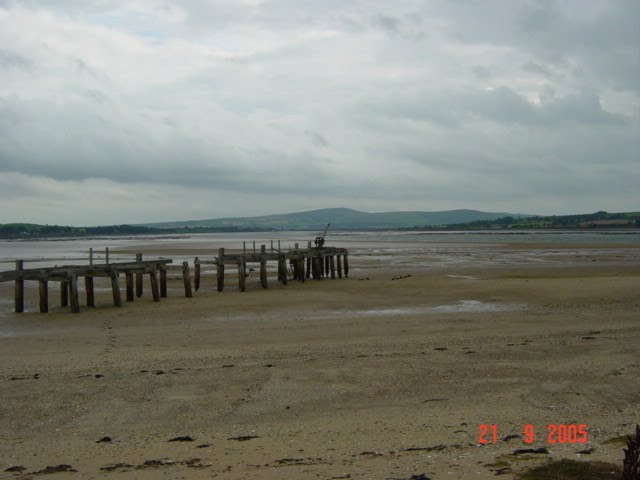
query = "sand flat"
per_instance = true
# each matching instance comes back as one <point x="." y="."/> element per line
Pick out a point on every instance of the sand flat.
<point x="365" y="377"/>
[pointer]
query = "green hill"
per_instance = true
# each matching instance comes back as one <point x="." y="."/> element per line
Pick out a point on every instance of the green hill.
<point x="340" y="218"/>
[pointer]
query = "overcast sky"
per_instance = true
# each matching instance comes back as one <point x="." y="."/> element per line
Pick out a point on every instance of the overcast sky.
<point x="113" y="111"/>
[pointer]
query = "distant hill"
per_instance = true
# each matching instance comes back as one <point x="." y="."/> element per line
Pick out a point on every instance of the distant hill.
<point x="340" y="218"/>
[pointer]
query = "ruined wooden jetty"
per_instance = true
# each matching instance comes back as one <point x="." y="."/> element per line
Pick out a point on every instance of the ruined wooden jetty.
<point x="294" y="264"/>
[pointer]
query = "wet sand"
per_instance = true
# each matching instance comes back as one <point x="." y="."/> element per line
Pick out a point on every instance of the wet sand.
<point x="386" y="374"/>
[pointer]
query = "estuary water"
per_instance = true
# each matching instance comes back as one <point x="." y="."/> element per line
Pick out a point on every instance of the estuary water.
<point x="392" y="247"/>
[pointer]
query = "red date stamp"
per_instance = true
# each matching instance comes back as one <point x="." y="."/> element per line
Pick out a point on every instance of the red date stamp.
<point x="556" y="433"/>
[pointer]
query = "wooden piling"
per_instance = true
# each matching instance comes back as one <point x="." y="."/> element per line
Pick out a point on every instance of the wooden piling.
<point x="19" y="289"/>
<point x="64" y="293"/>
<point x="317" y="268"/>
<point x="346" y="265"/>
<point x="196" y="274"/>
<point x="332" y="267"/>
<point x="282" y="264"/>
<point x="220" y="269"/>
<point x="339" y="264"/>
<point x="186" y="277"/>
<point x="88" y="288"/>
<point x="73" y="294"/>
<point x="309" y="267"/>
<point x="153" y="280"/>
<point x="139" y="280"/>
<point x="163" y="281"/>
<point x="106" y="255"/>
<point x="326" y="266"/>
<point x="44" y="296"/>
<point x="263" y="267"/>
<point x="301" y="263"/>
<point x="129" y="284"/>
<point x="115" y="289"/>
<point x="242" y="275"/>
<point x="91" y="257"/>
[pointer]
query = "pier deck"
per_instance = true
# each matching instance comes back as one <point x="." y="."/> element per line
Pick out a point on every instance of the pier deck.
<point x="294" y="264"/>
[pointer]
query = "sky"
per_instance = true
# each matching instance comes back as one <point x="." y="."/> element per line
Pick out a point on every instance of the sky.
<point x="114" y="111"/>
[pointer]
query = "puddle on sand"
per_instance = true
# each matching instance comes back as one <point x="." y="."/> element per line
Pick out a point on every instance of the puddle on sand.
<point x="463" y="306"/>
<point x="464" y="277"/>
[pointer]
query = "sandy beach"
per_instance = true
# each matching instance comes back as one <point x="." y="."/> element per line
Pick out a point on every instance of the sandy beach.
<point x="387" y="374"/>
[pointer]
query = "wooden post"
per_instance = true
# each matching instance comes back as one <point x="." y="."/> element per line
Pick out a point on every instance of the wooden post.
<point x="115" y="288"/>
<point x="196" y="274"/>
<point x="73" y="293"/>
<point x="254" y="246"/>
<point x="308" y="274"/>
<point x="315" y="267"/>
<point x="163" y="281"/>
<point x="44" y="296"/>
<point x="339" y="262"/>
<point x="332" y="267"/>
<point x="88" y="287"/>
<point x="244" y="249"/>
<point x="279" y="246"/>
<point x="282" y="263"/>
<point x="91" y="257"/>
<point x="242" y="276"/>
<point x="301" y="269"/>
<point x="263" y="266"/>
<point x="326" y="266"/>
<point x="346" y="265"/>
<point x="64" y="293"/>
<point x="296" y="246"/>
<point x="187" y="280"/>
<point x="129" y="283"/>
<point x="153" y="280"/>
<point x="271" y="246"/>
<point x="139" y="280"/>
<point x="106" y="255"/>
<point x="19" y="289"/>
<point x="220" y="269"/>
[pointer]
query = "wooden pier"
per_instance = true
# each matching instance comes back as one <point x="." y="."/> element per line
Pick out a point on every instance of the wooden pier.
<point x="294" y="264"/>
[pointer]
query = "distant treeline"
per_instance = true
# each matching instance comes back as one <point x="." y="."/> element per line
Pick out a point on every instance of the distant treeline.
<point x="31" y="230"/>
<point x="598" y="220"/>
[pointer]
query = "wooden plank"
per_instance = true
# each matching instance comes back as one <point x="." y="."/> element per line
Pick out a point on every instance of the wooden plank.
<point x="19" y="289"/>
<point x="64" y="293"/>
<point x="139" y="280"/>
<point x="220" y="270"/>
<point x="163" y="281"/>
<point x="44" y="296"/>
<point x="186" y="278"/>
<point x="115" y="289"/>
<point x="153" y="280"/>
<point x="73" y="294"/>
<point x="196" y="275"/>
<point x="129" y="286"/>
<point x="88" y="287"/>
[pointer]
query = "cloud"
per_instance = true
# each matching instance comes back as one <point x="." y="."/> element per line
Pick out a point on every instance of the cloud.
<point x="282" y="105"/>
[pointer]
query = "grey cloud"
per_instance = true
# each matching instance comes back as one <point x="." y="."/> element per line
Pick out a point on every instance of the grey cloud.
<point x="483" y="73"/>
<point x="12" y="60"/>
<point x="536" y="68"/>
<point x="317" y="139"/>
<point x="502" y="105"/>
